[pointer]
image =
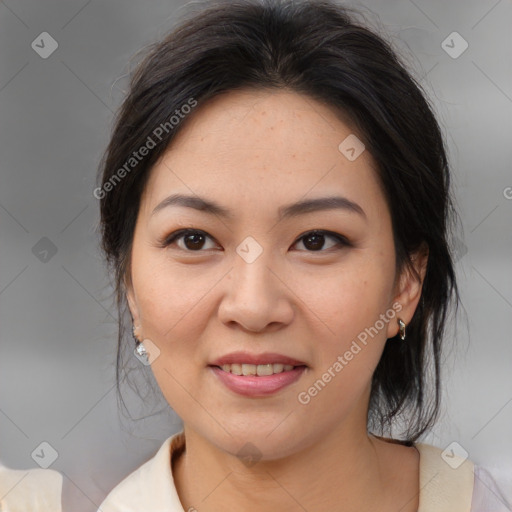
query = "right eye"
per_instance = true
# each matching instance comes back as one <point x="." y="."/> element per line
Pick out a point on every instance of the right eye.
<point x="193" y="240"/>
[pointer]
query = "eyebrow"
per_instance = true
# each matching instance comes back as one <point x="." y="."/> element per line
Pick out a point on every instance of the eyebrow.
<point x="284" y="212"/>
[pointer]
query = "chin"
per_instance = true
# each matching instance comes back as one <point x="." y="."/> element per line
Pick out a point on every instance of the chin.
<point x="252" y="443"/>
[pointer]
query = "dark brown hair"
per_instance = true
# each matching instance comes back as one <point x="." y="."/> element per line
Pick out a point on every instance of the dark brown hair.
<point x="312" y="48"/>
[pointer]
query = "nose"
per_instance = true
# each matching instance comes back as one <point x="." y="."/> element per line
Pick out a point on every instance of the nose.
<point x="257" y="298"/>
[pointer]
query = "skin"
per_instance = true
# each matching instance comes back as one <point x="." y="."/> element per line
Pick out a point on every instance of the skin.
<point x="252" y="152"/>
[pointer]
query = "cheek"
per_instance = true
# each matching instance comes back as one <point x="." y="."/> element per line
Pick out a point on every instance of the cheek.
<point x="350" y="339"/>
<point x="349" y="299"/>
<point x="172" y="307"/>
<point x="172" y="310"/>
<point x="346" y="353"/>
<point x="169" y="295"/>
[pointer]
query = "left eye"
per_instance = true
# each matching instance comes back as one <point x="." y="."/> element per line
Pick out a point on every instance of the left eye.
<point x="316" y="239"/>
<point x="194" y="240"/>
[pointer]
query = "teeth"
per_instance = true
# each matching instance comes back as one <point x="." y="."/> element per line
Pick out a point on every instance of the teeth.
<point x="236" y="369"/>
<point x="249" y="369"/>
<point x="278" y="367"/>
<point x="256" y="369"/>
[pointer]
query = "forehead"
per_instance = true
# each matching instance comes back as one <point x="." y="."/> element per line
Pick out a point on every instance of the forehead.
<point x="263" y="147"/>
<point x="270" y="119"/>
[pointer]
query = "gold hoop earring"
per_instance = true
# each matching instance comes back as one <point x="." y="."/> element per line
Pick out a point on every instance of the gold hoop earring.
<point x="401" y="325"/>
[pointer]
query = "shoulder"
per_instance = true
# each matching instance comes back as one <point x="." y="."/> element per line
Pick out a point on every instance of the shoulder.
<point x="454" y="483"/>
<point x="37" y="490"/>
<point x="151" y="484"/>
<point x="442" y="480"/>
<point x="446" y="480"/>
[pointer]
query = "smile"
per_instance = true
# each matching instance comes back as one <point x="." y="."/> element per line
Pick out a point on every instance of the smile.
<point x="256" y="369"/>
<point x="257" y="380"/>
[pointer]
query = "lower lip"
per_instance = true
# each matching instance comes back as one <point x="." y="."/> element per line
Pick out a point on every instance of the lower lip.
<point x="254" y="386"/>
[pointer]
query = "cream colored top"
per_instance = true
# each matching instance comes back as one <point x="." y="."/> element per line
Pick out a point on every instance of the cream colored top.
<point x="443" y="487"/>
<point x="31" y="490"/>
<point x="151" y="487"/>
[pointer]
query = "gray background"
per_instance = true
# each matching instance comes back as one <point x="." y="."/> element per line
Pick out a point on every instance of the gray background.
<point x="57" y="321"/>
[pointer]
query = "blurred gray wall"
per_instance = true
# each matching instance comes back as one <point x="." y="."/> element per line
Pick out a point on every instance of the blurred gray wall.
<point x="57" y="323"/>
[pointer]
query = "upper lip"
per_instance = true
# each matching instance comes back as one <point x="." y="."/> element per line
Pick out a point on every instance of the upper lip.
<point x="248" y="358"/>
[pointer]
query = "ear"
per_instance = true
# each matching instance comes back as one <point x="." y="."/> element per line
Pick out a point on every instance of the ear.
<point x="408" y="289"/>
<point x="132" y="302"/>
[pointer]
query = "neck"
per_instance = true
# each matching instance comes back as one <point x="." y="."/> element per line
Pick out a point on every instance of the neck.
<point x="344" y="468"/>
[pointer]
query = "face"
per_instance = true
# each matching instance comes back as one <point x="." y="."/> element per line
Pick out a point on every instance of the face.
<point x="259" y="281"/>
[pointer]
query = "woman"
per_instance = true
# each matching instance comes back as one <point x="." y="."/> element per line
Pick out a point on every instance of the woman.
<point x="275" y="207"/>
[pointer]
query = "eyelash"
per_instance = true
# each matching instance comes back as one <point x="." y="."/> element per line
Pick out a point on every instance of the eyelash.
<point x="170" y="239"/>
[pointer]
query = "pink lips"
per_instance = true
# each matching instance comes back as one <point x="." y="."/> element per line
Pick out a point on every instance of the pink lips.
<point x="257" y="386"/>
<point x="246" y="357"/>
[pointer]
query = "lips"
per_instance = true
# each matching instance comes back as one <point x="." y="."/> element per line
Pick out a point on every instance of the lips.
<point x="257" y="375"/>
<point x="255" y="386"/>
<point x="255" y="359"/>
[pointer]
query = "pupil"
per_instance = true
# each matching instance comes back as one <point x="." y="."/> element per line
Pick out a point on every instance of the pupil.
<point x="196" y="241"/>
<point x="317" y="241"/>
